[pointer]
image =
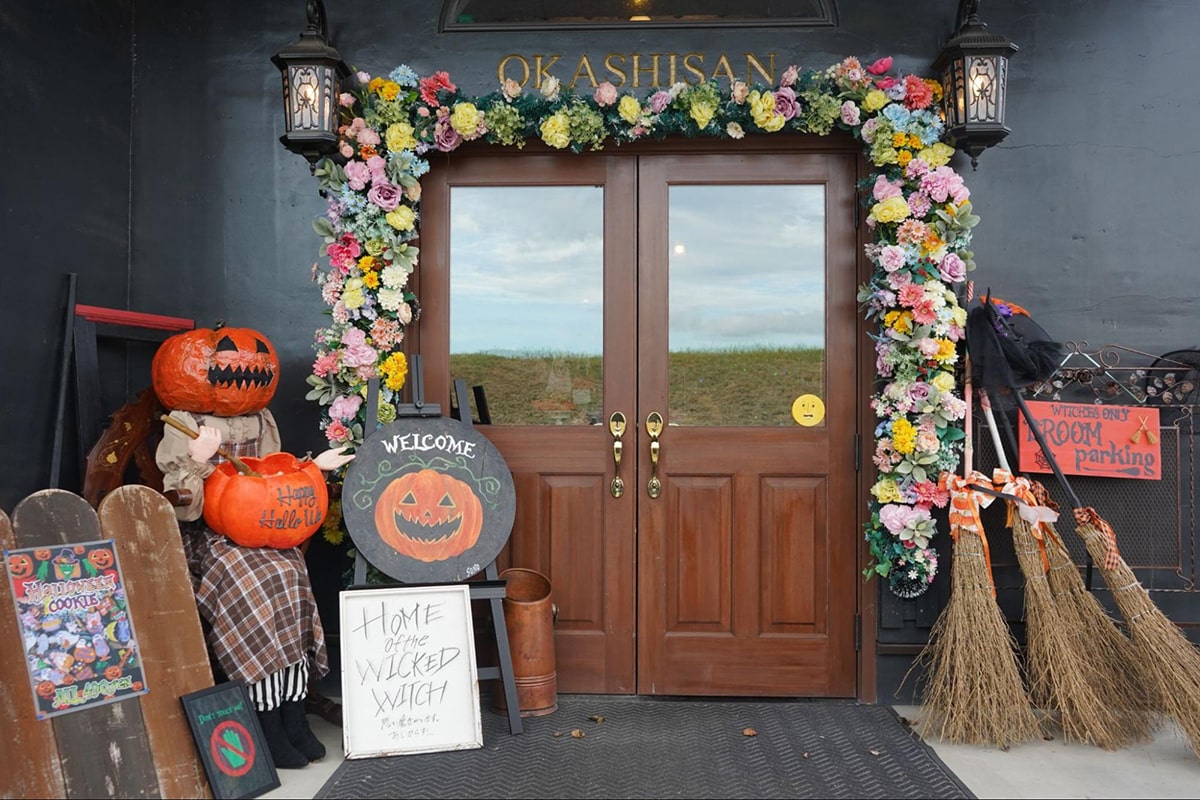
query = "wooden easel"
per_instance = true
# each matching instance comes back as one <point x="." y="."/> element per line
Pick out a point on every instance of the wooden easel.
<point x="492" y="589"/>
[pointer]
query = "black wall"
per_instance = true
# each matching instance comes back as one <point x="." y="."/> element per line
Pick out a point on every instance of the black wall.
<point x="142" y="154"/>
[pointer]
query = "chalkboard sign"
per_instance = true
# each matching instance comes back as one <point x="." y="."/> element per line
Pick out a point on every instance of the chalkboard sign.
<point x="230" y="740"/>
<point x="428" y="500"/>
<point x="409" y="680"/>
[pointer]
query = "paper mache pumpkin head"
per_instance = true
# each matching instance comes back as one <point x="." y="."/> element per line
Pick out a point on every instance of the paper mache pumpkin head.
<point x="222" y="371"/>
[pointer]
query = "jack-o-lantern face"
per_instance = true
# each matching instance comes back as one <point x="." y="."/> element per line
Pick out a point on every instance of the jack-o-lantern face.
<point x="20" y="565"/>
<point x="223" y="371"/>
<point x="429" y="516"/>
<point x="101" y="558"/>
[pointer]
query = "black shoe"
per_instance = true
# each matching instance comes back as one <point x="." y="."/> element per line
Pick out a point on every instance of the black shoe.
<point x="295" y="725"/>
<point x="283" y="753"/>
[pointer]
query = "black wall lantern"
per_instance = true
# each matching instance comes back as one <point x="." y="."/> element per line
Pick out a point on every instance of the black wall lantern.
<point x="973" y="67"/>
<point x="312" y="73"/>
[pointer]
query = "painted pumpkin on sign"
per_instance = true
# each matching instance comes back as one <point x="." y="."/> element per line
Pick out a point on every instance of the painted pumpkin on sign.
<point x="227" y="372"/>
<point x="101" y="558"/>
<point x="281" y="507"/>
<point x="20" y="565"/>
<point x="429" y="516"/>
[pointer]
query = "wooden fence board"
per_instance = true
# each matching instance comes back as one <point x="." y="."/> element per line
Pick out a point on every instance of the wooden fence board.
<point x="29" y="758"/>
<point x="174" y="656"/>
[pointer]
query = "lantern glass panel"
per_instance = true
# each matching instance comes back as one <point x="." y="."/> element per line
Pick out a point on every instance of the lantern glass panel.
<point x="985" y="84"/>
<point x="305" y="95"/>
<point x="954" y="90"/>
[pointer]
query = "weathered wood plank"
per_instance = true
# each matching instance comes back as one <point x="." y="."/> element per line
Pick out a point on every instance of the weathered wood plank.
<point x="29" y="759"/>
<point x="174" y="657"/>
<point x="104" y="750"/>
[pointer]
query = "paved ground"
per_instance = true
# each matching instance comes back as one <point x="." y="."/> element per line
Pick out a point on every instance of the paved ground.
<point x="1165" y="768"/>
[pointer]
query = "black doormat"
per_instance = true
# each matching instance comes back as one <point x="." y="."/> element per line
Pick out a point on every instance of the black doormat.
<point x="638" y="747"/>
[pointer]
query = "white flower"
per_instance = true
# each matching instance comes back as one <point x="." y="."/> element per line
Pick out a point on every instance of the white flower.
<point x="550" y="88"/>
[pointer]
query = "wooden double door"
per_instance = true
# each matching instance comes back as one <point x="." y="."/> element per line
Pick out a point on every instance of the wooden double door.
<point x="651" y="330"/>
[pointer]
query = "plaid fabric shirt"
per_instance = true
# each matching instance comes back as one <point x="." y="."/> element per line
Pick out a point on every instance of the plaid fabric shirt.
<point x="257" y="605"/>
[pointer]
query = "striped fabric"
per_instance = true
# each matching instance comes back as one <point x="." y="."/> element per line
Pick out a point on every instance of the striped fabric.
<point x="290" y="683"/>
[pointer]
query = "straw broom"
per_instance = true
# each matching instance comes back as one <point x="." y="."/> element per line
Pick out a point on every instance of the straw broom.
<point x="1170" y="661"/>
<point x="973" y="690"/>
<point x="972" y="687"/>
<point x="1062" y="676"/>
<point x="1119" y="680"/>
<point x="1112" y="664"/>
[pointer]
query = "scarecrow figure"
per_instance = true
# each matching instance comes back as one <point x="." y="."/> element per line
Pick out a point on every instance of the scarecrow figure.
<point x="257" y="604"/>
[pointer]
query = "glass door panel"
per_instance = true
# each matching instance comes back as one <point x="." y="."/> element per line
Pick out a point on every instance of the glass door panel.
<point x="527" y="300"/>
<point x="746" y="317"/>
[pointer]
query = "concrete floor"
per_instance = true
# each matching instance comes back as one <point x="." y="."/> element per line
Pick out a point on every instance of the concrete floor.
<point x="1164" y="768"/>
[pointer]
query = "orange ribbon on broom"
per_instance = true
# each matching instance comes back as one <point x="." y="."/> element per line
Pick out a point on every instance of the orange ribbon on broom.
<point x="965" y="502"/>
<point x="1029" y="509"/>
<point x="1088" y="516"/>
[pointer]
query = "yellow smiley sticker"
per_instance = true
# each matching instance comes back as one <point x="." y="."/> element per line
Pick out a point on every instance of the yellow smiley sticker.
<point x="808" y="410"/>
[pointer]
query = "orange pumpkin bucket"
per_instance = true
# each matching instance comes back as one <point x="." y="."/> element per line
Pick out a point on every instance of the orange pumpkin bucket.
<point x="280" y="506"/>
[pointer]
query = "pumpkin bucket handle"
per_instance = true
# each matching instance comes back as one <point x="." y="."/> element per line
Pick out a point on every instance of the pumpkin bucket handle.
<point x="242" y="467"/>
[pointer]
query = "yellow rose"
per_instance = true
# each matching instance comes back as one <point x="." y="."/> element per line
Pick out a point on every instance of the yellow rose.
<point x="959" y="317"/>
<point x="629" y="108"/>
<point x="936" y="155"/>
<point x="893" y="209"/>
<point x="402" y="218"/>
<point x="399" y="136"/>
<point x="465" y="120"/>
<point x="556" y="130"/>
<point x="875" y="100"/>
<point x="352" y="295"/>
<point x="943" y="381"/>
<point x="886" y="491"/>
<point x="762" y="109"/>
<point x="702" y="113"/>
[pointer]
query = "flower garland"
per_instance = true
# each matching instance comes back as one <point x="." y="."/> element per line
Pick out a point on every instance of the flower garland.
<point x="919" y="212"/>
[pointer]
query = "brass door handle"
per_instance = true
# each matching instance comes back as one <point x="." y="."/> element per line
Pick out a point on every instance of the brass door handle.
<point x="616" y="426"/>
<point x="654" y="428"/>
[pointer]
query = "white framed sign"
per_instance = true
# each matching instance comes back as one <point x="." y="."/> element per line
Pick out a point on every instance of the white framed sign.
<point x="409" y="680"/>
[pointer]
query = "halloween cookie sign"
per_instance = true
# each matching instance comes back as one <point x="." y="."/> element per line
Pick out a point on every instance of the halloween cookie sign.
<point x="76" y="630"/>
<point x="428" y="500"/>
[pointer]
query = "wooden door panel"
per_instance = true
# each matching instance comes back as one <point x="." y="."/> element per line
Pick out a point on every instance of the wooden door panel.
<point x="699" y="544"/>
<point x="794" y="569"/>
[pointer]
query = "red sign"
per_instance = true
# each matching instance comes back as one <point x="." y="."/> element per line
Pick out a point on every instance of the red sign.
<point x="1098" y="440"/>
<point x="232" y="748"/>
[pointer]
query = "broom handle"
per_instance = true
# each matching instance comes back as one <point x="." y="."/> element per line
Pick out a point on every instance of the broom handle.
<point x="241" y="466"/>
<point x="991" y="421"/>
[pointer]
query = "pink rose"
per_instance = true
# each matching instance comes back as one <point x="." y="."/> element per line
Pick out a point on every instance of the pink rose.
<point x="606" y="94"/>
<point x="384" y="194"/>
<point x="850" y="113"/>
<point x="346" y="150"/>
<point x="368" y="136"/>
<point x="345" y="99"/>
<point x="445" y="138"/>
<point x="378" y="167"/>
<point x="659" y="101"/>
<point x="786" y="103"/>
<point x="880" y="66"/>
<point x="885" y="189"/>
<point x="739" y="92"/>
<point x="357" y="175"/>
<point x="363" y="77"/>
<point x="952" y="269"/>
<point x="891" y="258"/>
<point x="511" y="89"/>
<point x="789" y="76"/>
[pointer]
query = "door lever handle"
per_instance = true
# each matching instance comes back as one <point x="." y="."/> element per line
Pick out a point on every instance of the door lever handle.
<point x="654" y="428"/>
<point x="616" y="426"/>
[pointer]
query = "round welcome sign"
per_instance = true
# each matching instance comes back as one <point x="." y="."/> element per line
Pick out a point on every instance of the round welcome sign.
<point x="428" y="500"/>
